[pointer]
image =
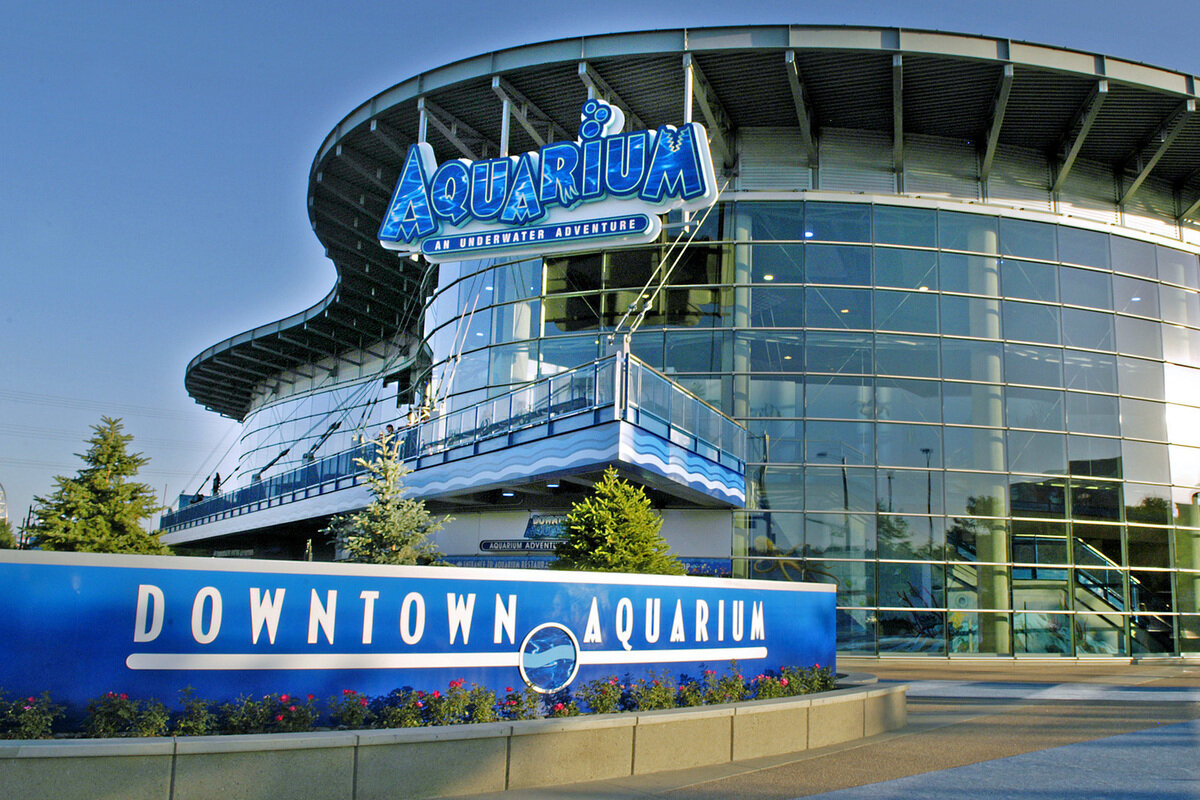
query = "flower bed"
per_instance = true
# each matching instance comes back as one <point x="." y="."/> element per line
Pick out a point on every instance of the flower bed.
<point x="116" y="715"/>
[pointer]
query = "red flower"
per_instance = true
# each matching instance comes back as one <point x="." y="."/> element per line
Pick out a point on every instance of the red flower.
<point x="420" y="704"/>
<point x="420" y="694"/>
<point x="310" y="697"/>
<point x="279" y="717"/>
<point x="344" y="692"/>
<point x="436" y="693"/>
<point x="291" y="708"/>
<point x="31" y="700"/>
<point x="283" y="698"/>
<point x="508" y="688"/>
<point x="783" y="681"/>
<point x="559" y="706"/>
<point x="816" y="666"/>
<point x="363" y="702"/>
<point x="613" y="680"/>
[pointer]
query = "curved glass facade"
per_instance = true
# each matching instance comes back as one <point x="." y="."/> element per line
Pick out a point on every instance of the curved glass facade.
<point x="984" y="429"/>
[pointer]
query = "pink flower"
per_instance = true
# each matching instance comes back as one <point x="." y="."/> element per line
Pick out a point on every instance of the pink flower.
<point x="436" y="693"/>
<point x="291" y="708"/>
<point x="783" y="681"/>
<point x="283" y="698"/>
<point x="344" y="692"/>
<point x="613" y="680"/>
<point x="363" y="702"/>
<point x="124" y="696"/>
<point x="28" y="707"/>
<point x="420" y="704"/>
<point x="816" y="666"/>
<point x="310" y="697"/>
<point x="420" y="694"/>
<point x="508" y="688"/>
<point x="559" y="706"/>
<point x="31" y="700"/>
<point x="279" y="717"/>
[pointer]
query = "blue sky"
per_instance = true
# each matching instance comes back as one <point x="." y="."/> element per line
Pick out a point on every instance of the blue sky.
<point x="155" y="167"/>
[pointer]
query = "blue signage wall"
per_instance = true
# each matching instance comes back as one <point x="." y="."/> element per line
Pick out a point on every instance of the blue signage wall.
<point x="78" y="625"/>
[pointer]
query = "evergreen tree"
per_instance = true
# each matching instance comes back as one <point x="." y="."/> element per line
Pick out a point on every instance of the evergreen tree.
<point x="616" y="530"/>
<point x="101" y="509"/>
<point x="7" y="541"/>
<point x="393" y="529"/>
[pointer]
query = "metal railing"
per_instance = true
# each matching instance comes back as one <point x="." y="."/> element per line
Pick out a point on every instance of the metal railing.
<point x="633" y="391"/>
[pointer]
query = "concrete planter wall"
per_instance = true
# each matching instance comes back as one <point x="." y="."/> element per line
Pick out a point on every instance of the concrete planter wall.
<point x="437" y="762"/>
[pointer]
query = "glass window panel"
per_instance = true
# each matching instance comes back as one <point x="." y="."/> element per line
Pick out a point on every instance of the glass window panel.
<point x="518" y="280"/>
<point x="1187" y="594"/>
<point x="913" y="312"/>
<point x="838" y="264"/>
<point x="1093" y="456"/>
<point x="855" y="586"/>
<point x="1092" y="330"/>
<point x="1040" y="366"/>
<point x="777" y="263"/>
<point x="1031" y="322"/>
<point x="1181" y="345"/>
<point x="1027" y="239"/>
<point x="770" y="221"/>
<point x="1183" y="424"/>
<point x="716" y="390"/>
<point x="1143" y="419"/>
<point x="970" y="316"/>
<point x="906" y="269"/>
<point x="840" y="442"/>
<point x="838" y="308"/>
<point x="974" y="448"/>
<point x="688" y="351"/>
<point x="1098" y="634"/>
<point x="900" y="225"/>
<point x="1149" y="547"/>
<point x="972" y="540"/>
<point x="772" y="351"/>
<point x="1131" y="296"/>
<point x="702" y="307"/>
<point x="844" y="488"/>
<point x="472" y="372"/>
<point x="839" y="535"/>
<point x="910" y="491"/>
<point x="969" y="360"/>
<point x="571" y="314"/>
<point x="1097" y="545"/>
<point x="781" y="396"/>
<point x="1134" y="257"/>
<point x="969" y="274"/>
<point x="1148" y="504"/>
<point x="1038" y="633"/>
<point x="1039" y="542"/>
<point x="970" y="632"/>
<point x="917" y="401"/>
<point x="699" y="264"/>
<point x="1151" y="591"/>
<point x="839" y="352"/>
<point x="1044" y="453"/>
<point x="973" y="494"/>
<point x="973" y="232"/>
<point x="910" y="537"/>
<point x="514" y="363"/>
<point x="837" y="397"/>
<point x="772" y="533"/>
<point x="902" y="445"/>
<point x="856" y="630"/>
<point x="1038" y="497"/>
<point x="772" y="487"/>
<point x="1145" y="462"/>
<point x="648" y="346"/>
<point x="1139" y="337"/>
<point x="1028" y="280"/>
<point x="516" y="321"/>
<point x="912" y="632"/>
<point x="777" y="307"/>
<point x="1185" y="466"/>
<point x="1176" y="266"/>
<point x="1092" y="499"/>
<point x="1089" y="248"/>
<point x="915" y="356"/>
<point x="1095" y="372"/>
<point x="1180" y="305"/>
<point x="574" y="273"/>
<point x="1085" y="287"/>
<point x="911" y="585"/>
<point x="565" y="353"/>
<point x="630" y="269"/>
<point x="1182" y="384"/>
<point x="1141" y="378"/>
<point x="1093" y="413"/>
<point x="973" y="404"/>
<point x="838" y="222"/>
<point x="779" y="440"/>
<point x="1035" y="408"/>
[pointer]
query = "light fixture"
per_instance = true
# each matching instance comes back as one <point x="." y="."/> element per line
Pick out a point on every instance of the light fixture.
<point x="507" y="493"/>
<point x="845" y="311"/>
<point x="1136" y="299"/>
<point x="922" y="288"/>
<point x="553" y="485"/>
<point x="787" y="358"/>
<point x="768" y="277"/>
<point x="808" y="234"/>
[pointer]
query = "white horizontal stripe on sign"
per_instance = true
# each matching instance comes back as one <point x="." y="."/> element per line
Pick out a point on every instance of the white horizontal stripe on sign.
<point x="669" y="656"/>
<point x="240" y="661"/>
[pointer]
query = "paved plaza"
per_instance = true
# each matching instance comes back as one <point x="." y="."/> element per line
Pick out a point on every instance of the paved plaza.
<point x="1060" y="729"/>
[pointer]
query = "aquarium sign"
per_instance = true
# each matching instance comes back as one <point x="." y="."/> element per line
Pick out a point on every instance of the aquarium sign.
<point x="606" y="188"/>
<point x="79" y="625"/>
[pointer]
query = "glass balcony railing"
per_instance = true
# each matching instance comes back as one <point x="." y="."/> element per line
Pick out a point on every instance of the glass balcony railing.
<point x="620" y="384"/>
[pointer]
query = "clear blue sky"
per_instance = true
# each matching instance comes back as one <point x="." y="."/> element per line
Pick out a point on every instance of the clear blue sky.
<point x="155" y="166"/>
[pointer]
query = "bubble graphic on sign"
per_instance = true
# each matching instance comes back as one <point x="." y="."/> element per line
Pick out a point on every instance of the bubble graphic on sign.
<point x="549" y="658"/>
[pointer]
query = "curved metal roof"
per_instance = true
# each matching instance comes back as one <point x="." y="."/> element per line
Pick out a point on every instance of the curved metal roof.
<point x="1068" y="104"/>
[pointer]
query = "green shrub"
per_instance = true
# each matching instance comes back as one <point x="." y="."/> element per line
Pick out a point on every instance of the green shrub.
<point x="603" y="695"/>
<point x="655" y="692"/>
<point x="113" y="714"/>
<point x="352" y="710"/>
<point x="401" y="708"/>
<point x="519" y="704"/>
<point x="275" y="713"/>
<point x="28" y="717"/>
<point x="197" y="719"/>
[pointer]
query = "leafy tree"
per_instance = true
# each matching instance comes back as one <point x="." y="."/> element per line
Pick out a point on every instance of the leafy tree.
<point x="393" y="529"/>
<point x="101" y="509"/>
<point x="7" y="541"/>
<point x="616" y="530"/>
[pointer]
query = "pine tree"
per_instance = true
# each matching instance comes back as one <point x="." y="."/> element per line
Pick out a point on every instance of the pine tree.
<point x="7" y="541"/>
<point x="393" y="529"/>
<point x="101" y="509"/>
<point x="616" y="530"/>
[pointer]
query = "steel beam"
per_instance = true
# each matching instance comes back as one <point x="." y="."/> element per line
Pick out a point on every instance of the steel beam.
<point x="1077" y="133"/>
<point x="999" y="106"/>
<point x="720" y="128"/>
<point x="1190" y="211"/>
<point x="598" y="87"/>
<point x="898" y="119"/>
<point x="805" y="118"/>
<point x="1160" y="142"/>
<point x="468" y="141"/>
<point x="346" y="192"/>
<point x="390" y="137"/>
<point x="304" y="345"/>
<point x="528" y="114"/>
<point x="357" y="162"/>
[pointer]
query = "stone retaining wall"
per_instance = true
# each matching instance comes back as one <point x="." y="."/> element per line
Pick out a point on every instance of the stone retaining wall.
<point x="438" y="762"/>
